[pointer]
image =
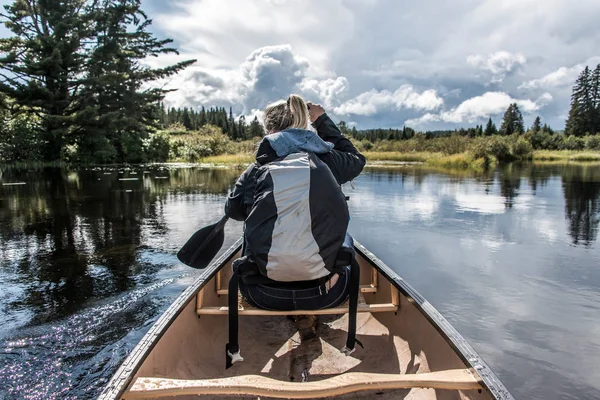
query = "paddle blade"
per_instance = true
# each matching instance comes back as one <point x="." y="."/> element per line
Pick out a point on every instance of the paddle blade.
<point x="203" y="246"/>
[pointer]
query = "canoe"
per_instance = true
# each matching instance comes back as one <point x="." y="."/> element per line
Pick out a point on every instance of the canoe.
<point x="410" y="350"/>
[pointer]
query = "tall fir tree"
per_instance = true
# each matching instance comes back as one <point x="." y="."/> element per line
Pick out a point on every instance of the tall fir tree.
<point x="186" y="119"/>
<point x="595" y="83"/>
<point x="490" y="128"/>
<point x="256" y="129"/>
<point x="242" y="128"/>
<point x="116" y="105"/>
<point x="44" y="60"/>
<point x="512" y="121"/>
<point x="78" y="65"/>
<point x="582" y="112"/>
<point x="537" y="125"/>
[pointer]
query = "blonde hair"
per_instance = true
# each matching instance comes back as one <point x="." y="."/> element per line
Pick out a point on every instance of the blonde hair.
<point x="283" y="114"/>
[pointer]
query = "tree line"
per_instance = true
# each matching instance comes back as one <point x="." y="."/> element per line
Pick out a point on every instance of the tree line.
<point x="177" y="119"/>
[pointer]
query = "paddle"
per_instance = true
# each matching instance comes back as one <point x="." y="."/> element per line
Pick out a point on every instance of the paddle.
<point x="203" y="246"/>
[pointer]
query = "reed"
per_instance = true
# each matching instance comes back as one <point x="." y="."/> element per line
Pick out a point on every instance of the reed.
<point x="566" y="155"/>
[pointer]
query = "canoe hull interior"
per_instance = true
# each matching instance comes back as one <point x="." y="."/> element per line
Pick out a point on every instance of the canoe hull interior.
<point x="405" y="341"/>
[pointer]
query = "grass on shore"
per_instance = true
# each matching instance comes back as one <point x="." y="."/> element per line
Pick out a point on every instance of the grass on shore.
<point x="229" y="159"/>
<point x="440" y="160"/>
<point x="565" y="155"/>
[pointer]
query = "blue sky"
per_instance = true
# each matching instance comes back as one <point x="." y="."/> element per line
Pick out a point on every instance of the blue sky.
<point x="382" y="63"/>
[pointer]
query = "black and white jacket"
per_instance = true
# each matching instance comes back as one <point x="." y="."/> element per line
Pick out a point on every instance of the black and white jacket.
<point x="291" y="201"/>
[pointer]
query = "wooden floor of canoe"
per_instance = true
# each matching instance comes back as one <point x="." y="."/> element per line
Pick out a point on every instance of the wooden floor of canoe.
<point x="274" y="350"/>
<point x="401" y="344"/>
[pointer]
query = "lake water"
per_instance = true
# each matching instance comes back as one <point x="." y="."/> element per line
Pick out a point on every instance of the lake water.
<point x="510" y="258"/>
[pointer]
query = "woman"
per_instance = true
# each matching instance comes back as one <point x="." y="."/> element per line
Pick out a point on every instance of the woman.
<point x="286" y="124"/>
<point x="296" y="249"/>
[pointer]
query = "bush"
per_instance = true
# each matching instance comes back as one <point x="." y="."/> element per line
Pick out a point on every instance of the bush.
<point x="491" y="146"/>
<point x="206" y="142"/>
<point x="521" y="149"/>
<point x="592" y="142"/>
<point x="157" y="147"/>
<point x="573" y="143"/>
<point x="20" y="138"/>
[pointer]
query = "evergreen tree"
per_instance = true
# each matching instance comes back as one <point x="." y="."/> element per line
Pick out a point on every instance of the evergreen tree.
<point x="582" y="112"/>
<point x="537" y="125"/>
<point x="202" y="120"/>
<point x="595" y="83"/>
<point x="512" y="121"/>
<point x="186" y="120"/>
<point x="242" y="128"/>
<point x="490" y="128"/>
<point x="44" y="60"/>
<point x="116" y="106"/>
<point x="77" y="64"/>
<point x="256" y="129"/>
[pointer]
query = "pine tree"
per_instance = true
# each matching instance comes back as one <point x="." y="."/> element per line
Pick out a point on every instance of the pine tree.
<point x="595" y="89"/>
<point x="186" y="120"/>
<point x="242" y="128"/>
<point x="44" y="61"/>
<point x="537" y="125"/>
<point x="490" y="128"/>
<point x="512" y="121"/>
<point x="116" y="105"/>
<point x="202" y="119"/>
<point x="581" y="114"/>
<point x="256" y="129"/>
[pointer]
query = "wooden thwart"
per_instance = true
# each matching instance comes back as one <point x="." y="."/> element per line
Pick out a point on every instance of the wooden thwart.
<point x="370" y="288"/>
<point x="247" y="309"/>
<point x="372" y="308"/>
<point x="256" y="385"/>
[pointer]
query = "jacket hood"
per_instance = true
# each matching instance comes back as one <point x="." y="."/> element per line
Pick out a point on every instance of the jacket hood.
<point x="296" y="140"/>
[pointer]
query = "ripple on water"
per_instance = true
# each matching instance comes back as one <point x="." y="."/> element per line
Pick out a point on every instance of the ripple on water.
<point x="74" y="358"/>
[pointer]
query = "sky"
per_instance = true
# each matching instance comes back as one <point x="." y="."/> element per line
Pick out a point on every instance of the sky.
<point x="429" y="64"/>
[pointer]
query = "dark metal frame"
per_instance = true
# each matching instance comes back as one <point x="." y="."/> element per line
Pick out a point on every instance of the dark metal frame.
<point x="122" y="378"/>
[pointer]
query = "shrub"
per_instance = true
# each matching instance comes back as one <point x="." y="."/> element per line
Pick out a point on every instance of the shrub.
<point x="157" y="147"/>
<point x="573" y="143"/>
<point x="592" y="142"/>
<point x="521" y="149"/>
<point x="19" y="138"/>
<point x="492" y="146"/>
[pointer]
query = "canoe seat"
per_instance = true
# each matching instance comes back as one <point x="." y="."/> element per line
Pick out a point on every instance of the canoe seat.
<point x="246" y="309"/>
<point x="256" y="385"/>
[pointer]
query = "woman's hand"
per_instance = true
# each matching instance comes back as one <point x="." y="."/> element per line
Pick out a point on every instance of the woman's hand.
<point x="314" y="111"/>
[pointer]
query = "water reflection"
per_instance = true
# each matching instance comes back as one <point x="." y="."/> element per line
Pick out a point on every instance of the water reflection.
<point x="509" y="256"/>
<point x="66" y="236"/>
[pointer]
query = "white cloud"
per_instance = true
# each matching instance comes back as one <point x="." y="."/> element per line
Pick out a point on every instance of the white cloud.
<point x="357" y="48"/>
<point x="268" y="74"/>
<point x="329" y="90"/>
<point x="374" y="101"/>
<point x="562" y="77"/>
<point x="499" y="63"/>
<point x="481" y="107"/>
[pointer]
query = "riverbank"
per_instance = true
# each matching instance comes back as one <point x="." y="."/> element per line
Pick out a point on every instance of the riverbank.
<point x="459" y="161"/>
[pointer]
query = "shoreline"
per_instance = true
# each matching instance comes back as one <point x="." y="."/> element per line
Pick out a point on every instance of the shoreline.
<point x="460" y="161"/>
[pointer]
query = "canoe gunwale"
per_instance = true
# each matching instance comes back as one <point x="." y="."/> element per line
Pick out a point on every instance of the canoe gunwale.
<point x="463" y="349"/>
<point x="123" y="377"/>
<point x="121" y="380"/>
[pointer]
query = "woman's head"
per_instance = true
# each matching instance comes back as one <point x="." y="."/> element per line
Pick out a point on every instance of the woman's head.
<point x="284" y="114"/>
